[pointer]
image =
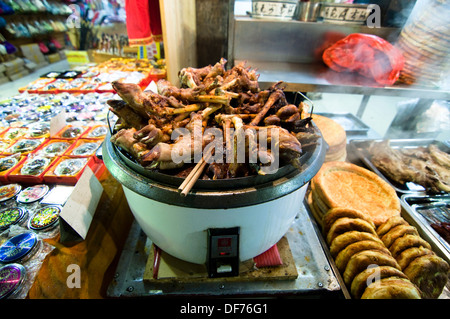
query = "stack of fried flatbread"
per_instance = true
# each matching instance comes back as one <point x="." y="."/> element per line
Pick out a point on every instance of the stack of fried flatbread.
<point x="415" y="257"/>
<point x="334" y="135"/>
<point x="343" y="184"/>
<point x="379" y="255"/>
<point x="425" y="45"/>
<point x="367" y="267"/>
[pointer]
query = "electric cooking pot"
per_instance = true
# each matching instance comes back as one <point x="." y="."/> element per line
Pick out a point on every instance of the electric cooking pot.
<point x="262" y="208"/>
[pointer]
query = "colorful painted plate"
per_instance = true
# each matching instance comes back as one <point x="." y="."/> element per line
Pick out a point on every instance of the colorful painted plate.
<point x="12" y="277"/>
<point x="18" y="247"/>
<point x="9" y="191"/>
<point x="44" y="218"/>
<point x="32" y="194"/>
<point x="11" y="216"/>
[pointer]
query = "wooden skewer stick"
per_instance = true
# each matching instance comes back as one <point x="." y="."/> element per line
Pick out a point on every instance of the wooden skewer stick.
<point x="193" y="176"/>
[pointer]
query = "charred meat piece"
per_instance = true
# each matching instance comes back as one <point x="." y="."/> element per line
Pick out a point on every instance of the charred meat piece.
<point x="126" y="113"/>
<point x="404" y="166"/>
<point x="125" y="139"/>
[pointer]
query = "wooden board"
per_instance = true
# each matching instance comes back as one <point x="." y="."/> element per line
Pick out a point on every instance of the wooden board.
<point x="178" y="21"/>
<point x="176" y="270"/>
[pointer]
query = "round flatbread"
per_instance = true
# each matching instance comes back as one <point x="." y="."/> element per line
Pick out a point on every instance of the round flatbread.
<point x="346" y="224"/>
<point x="345" y="239"/>
<point x="342" y="184"/>
<point x="407" y="241"/>
<point x="391" y="288"/>
<point x="370" y="275"/>
<point x="333" y="133"/>
<point x="429" y="273"/>
<point x="344" y="255"/>
<point x="337" y="156"/>
<point x="362" y="260"/>
<point x="397" y="232"/>
<point x="390" y="223"/>
<point x="408" y="255"/>
<point x="320" y="205"/>
<point x="316" y="214"/>
<point x="335" y="213"/>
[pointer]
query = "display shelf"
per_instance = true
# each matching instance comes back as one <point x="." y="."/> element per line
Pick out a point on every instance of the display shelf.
<point x="316" y="77"/>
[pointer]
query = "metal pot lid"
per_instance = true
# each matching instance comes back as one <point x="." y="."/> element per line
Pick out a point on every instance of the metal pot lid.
<point x="12" y="277"/>
<point x="213" y="198"/>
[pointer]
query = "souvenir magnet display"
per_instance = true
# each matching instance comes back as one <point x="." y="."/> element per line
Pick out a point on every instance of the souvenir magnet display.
<point x="9" y="191"/>
<point x="32" y="194"/>
<point x="19" y="247"/>
<point x="44" y="218"/>
<point x="12" y="277"/>
<point x="11" y="216"/>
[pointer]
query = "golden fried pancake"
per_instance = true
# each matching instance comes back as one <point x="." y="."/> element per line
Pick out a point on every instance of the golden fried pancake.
<point x="360" y="261"/>
<point x="390" y="223"/>
<point x="391" y="288"/>
<point x="408" y="255"/>
<point x="320" y="205"/>
<point x="344" y="255"/>
<point x="316" y="214"/>
<point x="370" y="275"/>
<point x="346" y="224"/>
<point x="429" y="273"/>
<point x="345" y="239"/>
<point x="335" y="213"/>
<point x="397" y="232"/>
<point x="342" y="184"/>
<point x="405" y="242"/>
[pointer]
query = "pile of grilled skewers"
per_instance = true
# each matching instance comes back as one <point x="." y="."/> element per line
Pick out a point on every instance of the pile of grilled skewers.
<point x="210" y="97"/>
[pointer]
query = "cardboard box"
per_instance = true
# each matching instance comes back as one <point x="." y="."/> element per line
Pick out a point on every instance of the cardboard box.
<point x="33" y="53"/>
<point x="77" y="57"/>
<point x="52" y="58"/>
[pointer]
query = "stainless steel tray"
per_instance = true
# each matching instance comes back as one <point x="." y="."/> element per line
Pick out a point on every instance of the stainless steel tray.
<point x="423" y="211"/>
<point x="351" y="124"/>
<point x="427" y="233"/>
<point x="359" y="147"/>
<point x="410" y="206"/>
<point x="315" y="275"/>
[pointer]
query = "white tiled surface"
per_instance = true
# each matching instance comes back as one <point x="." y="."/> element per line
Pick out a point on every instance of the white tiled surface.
<point x="9" y="89"/>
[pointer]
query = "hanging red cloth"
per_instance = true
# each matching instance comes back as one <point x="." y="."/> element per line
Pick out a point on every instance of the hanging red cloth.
<point x="143" y="22"/>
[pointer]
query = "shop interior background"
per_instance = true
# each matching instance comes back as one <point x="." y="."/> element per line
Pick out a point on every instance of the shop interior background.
<point x="382" y="113"/>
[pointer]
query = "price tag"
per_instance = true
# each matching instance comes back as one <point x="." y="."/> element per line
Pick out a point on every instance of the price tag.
<point x="57" y="123"/>
<point x="79" y="210"/>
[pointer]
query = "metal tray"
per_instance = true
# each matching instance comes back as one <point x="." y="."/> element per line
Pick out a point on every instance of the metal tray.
<point x="359" y="147"/>
<point x="425" y="231"/>
<point x="351" y="124"/>
<point x="315" y="276"/>
<point x="424" y="210"/>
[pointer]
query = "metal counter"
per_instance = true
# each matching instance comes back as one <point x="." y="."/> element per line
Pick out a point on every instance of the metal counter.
<point x="315" y="274"/>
